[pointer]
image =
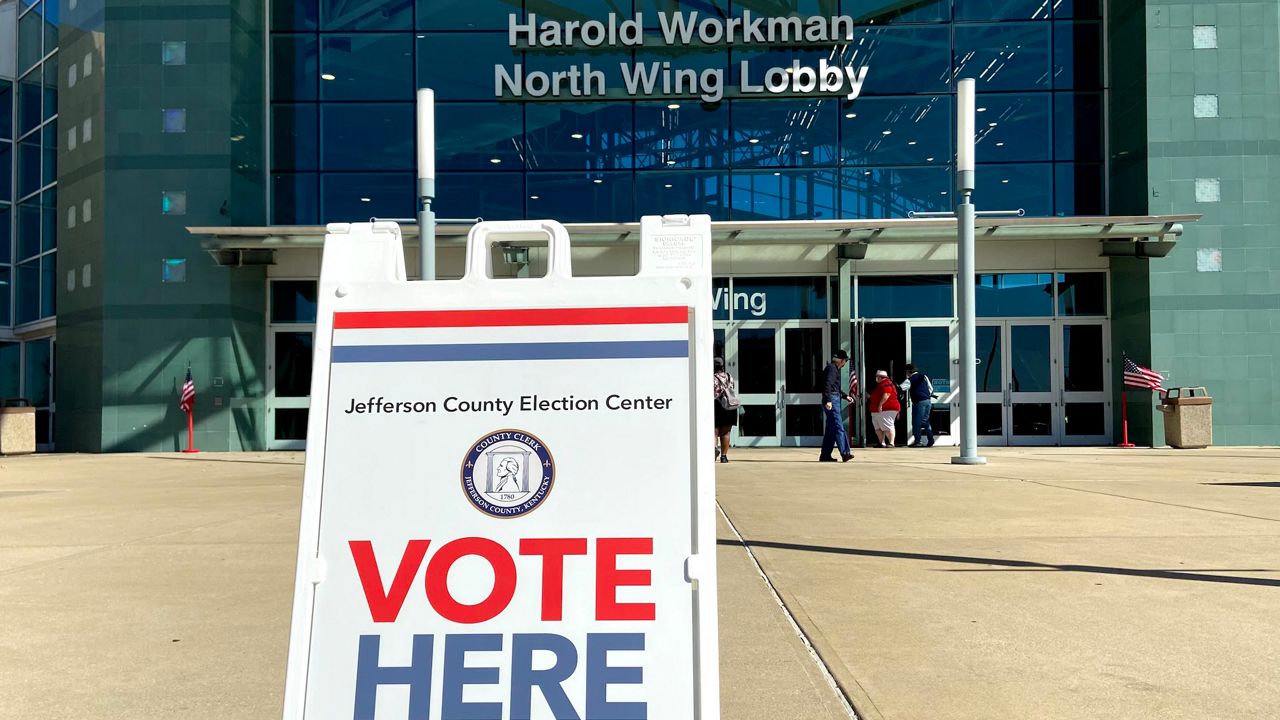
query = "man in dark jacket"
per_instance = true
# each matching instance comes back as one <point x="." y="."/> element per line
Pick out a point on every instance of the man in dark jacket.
<point x="834" y="435"/>
<point x="921" y="389"/>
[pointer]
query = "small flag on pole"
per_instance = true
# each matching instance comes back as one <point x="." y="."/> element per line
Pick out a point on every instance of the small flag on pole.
<point x="188" y="400"/>
<point x="853" y="383"/>
<point x="1136" y="376"/>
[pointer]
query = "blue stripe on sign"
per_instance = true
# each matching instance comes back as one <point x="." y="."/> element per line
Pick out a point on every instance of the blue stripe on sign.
<point x="639" y="349"/>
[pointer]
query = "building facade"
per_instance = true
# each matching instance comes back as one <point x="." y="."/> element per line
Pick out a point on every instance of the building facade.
<point x="255" y="123"/>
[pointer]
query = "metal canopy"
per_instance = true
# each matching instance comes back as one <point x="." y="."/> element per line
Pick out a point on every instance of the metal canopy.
<point x="1131" y="228"/>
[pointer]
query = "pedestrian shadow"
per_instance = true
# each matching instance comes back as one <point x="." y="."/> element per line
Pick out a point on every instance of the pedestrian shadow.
<point x="1247" y="484"/>
<point x="1007" y="564"/>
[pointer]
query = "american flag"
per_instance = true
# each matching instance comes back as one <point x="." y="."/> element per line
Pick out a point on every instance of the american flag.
<point x="853" y="383"/>
<point x="188" y="400"/>
<point x="1136" y="376"/>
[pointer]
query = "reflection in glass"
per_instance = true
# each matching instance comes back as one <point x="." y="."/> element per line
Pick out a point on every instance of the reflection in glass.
<point x="293" y="301"/>
<point x="1082" y="419"/>
<point x="1008" y="56"/>
<point x="720" y="299"/>
<point x="758" y="421"/>
<point x="1078" y="189"/>
<point x="472" y="136"/>
<point x="38" y="372"/>
<point x="990" y="419"/>
<point x="1035" y="419"/>
<point x="6" y="282"/>
<point x="356" y="197"/>
<point x="295" y="62"/>
<point x="295" y="137"/>
<point x="578" y="197"/>
<point x="718" y="343"/>
<point x="447" y="62"/>
<point x="990" y="361"/>
<point x="1082" y="358"/>
<point x="1013" y="128"/>
<point x="1024" y="186"/>
<point x="1002" y="9"/>
<point x="683" y="192"/>
<point x="293" y="364"/>
<point x="1076" y="49"/>
<point x="693" y="135"/>
<point x="931" y="354"/>
<point x="492" y="196"/>
<point x="360" y="15"/>
<point x="48" y="285"/>
<point x="295" y="199"/>
<point x="804" y="362"/>
<point x="757" y="361"/>
<point x="1014" y="295"/>
<point x="803" y="420"/>
<point x="940" y="418"/>
<point x="30" y="160"/>
<point x="359" y="136"/>
<point x="567" y="136"/>
<point x="1077" y="126"/>
<point x="896" y="131"/>
<point x="904" y="296"/>
<point x="294" y="15"/>
<point x="888" y="11"/>
<point x="469" y="14"/>
<point x="893" y="192"/>
<point x="780" y="298"/>
<point x="291" y="423"/>
<point x="10" y="357"/>
<point x="1030" y="358"/>
<point x="1082" y="293"/>
<point x="6" y="176"/>
<point x="784" y="133"/>
<point x="368" y="66"/>
<point x="6" y="110"/>
<point x="6" y="235"/>
<point x="784" y="194"/>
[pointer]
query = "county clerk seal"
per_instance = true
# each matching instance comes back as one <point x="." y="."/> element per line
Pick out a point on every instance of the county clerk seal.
<point x="507" y="473"/>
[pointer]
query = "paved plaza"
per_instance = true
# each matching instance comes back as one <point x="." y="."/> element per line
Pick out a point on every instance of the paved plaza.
<point x="1051" y="583"/>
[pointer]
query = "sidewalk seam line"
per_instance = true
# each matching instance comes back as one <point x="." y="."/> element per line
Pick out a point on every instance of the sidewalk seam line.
<point x="795" y="627"/>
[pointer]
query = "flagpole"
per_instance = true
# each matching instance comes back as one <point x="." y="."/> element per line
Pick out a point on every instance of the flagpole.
<point x="191" y="422"/>
<point x="1124" y="419"/>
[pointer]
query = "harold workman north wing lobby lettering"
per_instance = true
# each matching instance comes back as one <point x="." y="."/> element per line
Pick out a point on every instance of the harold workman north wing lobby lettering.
<point x="829" y="76"/>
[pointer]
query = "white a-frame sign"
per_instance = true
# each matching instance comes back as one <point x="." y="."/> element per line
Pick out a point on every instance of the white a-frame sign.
<point x="508" y="510"/>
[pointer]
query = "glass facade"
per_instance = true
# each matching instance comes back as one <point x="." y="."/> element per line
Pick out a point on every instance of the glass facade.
<point x="343" y="78"/>
<point x="28" y="167"/>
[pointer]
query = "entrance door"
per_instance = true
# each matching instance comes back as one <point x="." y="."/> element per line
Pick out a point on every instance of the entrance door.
<point x="1016" y="384"/>
<point x="778" y="367"/>
<point x="289" y="355"/>
<point x="1085" y="382"/>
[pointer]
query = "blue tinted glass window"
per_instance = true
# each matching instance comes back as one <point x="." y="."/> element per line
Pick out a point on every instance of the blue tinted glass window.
<point x="784" y="194"/>
<point x="1008" y="56"/>
<point x="880" y="192"/>
<point x="295" y="199"/>
<point x="1014" y="295"/>
<point x="467" y="14"/>
<point x="689" y="192"/>
<point x="1084" y="9"/>
<point x="29" y="95"/>
<point x="1003" y="9"/>
<point x="48" y="285"/>
<point x="295" y="137"/>
<point x="49" y="213"/>
<point x="1013" y="128"/>
<point x="49" y="154"/>
<point x="562" y="136"/>
<point x="492" y="196"/>
<point x="356" y="197"/>
<point x="471" y="136"/>
<point x="578" y="197"/>
<point x="704" y="8"/>
<point x="1027" y="187"/>
<point x="1077" y="55"/>
<point x="780" y="298"/>
<point x="882" y="11"/>
<point x="363" y="15"/>
<point x="6" y="285"/>
<point x="367" y="137"/>
<point x="1082" y="293"/>
<point x="900" y="59"/>
<point x="1077" y="126"/>
<point x="29" y="160"/>
<point x="6" y="110"/>
<point x="719" y="310"/>
<point x="1078" y="189"/>
<point x="783" y="133"/>
<point x="691" y="135"/>
<point x="448" y="62"/>
<point x="6" y="238"/>
<point x="295" y="62"/>
<point x="10" y="352"/>
<point x="28" y="229"/>
<point x="604" y="62"/>
<point x="29" y="38"/>
<point x="294" y="15"/>
<point x="683" y="59"/>
<point x="904" y="296"/>
<point x="293" y="301"/>
<point x="50" y="70"/>
<point x="368" y="66"/>
<point x="896" y="131"/>
<point x="27" y="292"/>
<point x="6" y="172"/>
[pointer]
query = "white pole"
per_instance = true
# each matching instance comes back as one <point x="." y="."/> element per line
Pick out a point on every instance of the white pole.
<point x="965" y="262"/>
<point x="426" y="183"/>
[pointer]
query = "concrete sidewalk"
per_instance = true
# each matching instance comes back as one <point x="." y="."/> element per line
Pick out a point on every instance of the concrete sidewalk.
<point x="1048" y="584"/>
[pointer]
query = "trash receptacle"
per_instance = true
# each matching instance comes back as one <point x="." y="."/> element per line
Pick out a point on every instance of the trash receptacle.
<point x="17" y="427"/>
<point x="1188" y="417"/>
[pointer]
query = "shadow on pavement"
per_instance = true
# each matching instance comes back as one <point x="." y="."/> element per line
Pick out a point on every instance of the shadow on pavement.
<point x="1018" y="564"/>
<point x="1247" y="484"/>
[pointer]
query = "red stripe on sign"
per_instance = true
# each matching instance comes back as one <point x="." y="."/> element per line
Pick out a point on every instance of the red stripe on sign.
<point x="509" y="318"/>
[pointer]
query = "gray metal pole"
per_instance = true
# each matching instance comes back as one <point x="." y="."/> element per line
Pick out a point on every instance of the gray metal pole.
<point x="426" y="184"/>
<point x="965" y="266"/>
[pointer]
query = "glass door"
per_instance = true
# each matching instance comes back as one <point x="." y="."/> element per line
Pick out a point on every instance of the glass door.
<point x="930" y="349"/>
<point x="990" y="383"/>
<point x="1017" y="398"/>
<point x="1084" y="392"/>
<point x="778" y="367"/>
<point x="289" y="355"/>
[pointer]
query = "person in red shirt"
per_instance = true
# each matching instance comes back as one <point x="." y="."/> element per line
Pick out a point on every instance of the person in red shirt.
<point x="884" y="408"/>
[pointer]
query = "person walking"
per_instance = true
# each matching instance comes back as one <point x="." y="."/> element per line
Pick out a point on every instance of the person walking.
<point x="884" y="408"/>
<point x="726" y="394"/>
<point x="834" y="434"/>
<point x="920" y="389"/>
